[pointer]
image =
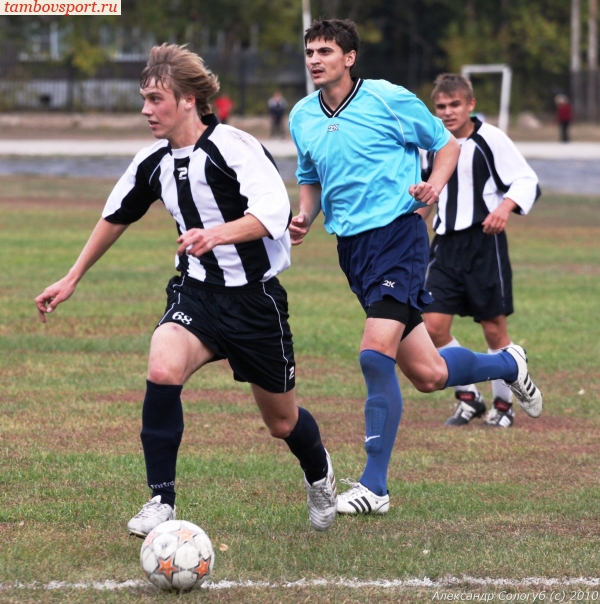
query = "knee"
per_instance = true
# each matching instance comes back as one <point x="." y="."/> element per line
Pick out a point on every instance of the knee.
<point x="492" y="333"/>
<point x="437" y="332"/>
<point x="430" y="378"/>
<point x="376" y="365"/>
<point x="280" y="428"/>
<point x="496" y="339"/>
<point x="163" y="375"/>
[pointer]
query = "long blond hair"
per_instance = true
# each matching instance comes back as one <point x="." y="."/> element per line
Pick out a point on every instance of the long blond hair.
<point x="184" y="72"/>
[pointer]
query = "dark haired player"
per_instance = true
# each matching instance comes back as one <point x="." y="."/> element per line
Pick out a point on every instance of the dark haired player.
<point x="469" y="271"/>
<point x="358" y="160"/>
<point x="232" y="211"/>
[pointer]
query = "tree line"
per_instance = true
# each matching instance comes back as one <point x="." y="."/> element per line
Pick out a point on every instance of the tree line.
<point x="406" y="42"/>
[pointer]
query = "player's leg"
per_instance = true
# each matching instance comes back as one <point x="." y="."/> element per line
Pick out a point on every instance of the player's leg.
<point x="298" y="428"/>
<point x="471" y="404"/>
<point x="176" y="352"/>
<point x="257" y="341"/>
<point x="502" y="413"/>
<point x="450" y="261"/>
<point x="420" y="361"/>
<point x="383" y="407"/>
<point x="489" y="289"/>
<point x="385" y="269"/>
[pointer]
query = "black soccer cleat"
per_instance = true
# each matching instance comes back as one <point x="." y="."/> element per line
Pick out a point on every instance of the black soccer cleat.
<point x="471" y="406"/>
<point x="501" y="415"/>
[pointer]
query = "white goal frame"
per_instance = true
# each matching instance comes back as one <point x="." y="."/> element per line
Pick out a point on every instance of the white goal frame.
<point x="506" y="72"/>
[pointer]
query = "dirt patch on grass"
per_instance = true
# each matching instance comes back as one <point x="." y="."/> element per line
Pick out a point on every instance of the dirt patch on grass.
<point x="53" y="203"/>
<point x="562" y="447"/>
<point x="99" y="327"/>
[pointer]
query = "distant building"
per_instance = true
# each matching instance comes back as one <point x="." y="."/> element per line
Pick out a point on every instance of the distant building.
<point x="37" y="75"/>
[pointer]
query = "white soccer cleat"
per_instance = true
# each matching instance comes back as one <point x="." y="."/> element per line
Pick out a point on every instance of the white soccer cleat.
<point x="360" y="500"/>
<point x="150" y="516"/>
<point x="321" y="497"/>
<point x="528" y="395"/>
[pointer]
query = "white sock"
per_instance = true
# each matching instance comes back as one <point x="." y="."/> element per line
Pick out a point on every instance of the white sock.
<point x="454" y="343"/>
<point x="499" y="387"/>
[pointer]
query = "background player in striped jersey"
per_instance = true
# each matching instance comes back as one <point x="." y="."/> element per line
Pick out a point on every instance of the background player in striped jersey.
<point x="469" y="272"/>
<point x="232" y="214"/>
<point x="358" y="160"/>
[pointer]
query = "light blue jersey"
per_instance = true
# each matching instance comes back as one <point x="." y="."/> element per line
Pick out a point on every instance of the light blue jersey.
<point x="365" y="154"/>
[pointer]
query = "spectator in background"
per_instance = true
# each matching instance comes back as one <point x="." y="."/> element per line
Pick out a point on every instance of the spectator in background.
<point x="277" y="105"/>
<point x="223" y="104"/>
<point x="564" y="115"/>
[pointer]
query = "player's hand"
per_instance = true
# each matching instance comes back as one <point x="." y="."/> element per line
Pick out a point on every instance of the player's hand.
<point x="53" y="295"/>
<point x="196" y="242"/>
<point x="424" y="192"/>
<point x="299" y="227"/>
<point x="495" y="222"/>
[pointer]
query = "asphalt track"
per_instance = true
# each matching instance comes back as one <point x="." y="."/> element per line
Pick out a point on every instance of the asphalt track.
<point x="570" y="168"/>
<point x="278" y="148"/>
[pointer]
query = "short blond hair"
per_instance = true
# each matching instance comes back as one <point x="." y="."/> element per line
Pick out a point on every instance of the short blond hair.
<point x="184" y="72"/>
<point x="452" y="84"/>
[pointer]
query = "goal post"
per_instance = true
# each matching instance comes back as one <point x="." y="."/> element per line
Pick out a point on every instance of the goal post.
<point x="306" y="20"/>
<point x="506" y="72"/>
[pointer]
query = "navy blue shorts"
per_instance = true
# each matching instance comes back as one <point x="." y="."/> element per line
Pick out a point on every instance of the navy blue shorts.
<point x="388" y="261"/>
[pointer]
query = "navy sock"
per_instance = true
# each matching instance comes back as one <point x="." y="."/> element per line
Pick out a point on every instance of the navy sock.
<point x="305" y="443"/>
<point x="467" y="367"/>
<point x="383" y="410"/>
<point x="162" y="428"/>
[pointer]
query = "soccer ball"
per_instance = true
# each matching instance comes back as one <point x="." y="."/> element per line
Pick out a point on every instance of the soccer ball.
<point x="177" y="556"/>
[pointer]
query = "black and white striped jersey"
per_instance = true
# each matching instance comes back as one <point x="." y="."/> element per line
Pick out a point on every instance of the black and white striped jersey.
<point x="224" y="176"/>
<point x="490" y="168"/>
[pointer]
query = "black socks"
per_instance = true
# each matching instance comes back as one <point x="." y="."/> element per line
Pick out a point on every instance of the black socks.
<point x="162" y="428"/>
<point x="305" y="443"/>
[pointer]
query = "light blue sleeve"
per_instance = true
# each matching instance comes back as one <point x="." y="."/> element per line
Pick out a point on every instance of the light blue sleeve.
<point x="306" y="172"/>
<point x="419" y="126"/>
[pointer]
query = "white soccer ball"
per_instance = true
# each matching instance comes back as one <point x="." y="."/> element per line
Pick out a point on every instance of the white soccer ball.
<point x="177" y="556"/>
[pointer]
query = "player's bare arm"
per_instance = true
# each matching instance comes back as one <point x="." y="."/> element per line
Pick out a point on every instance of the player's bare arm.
<point x="445" y="164"/>
<point x="196" y="242"/>
<point x="424" y="212"/>
<point x="310" y="206"/>
<point x="495" y="222"/>
<point x="102" y="238"/>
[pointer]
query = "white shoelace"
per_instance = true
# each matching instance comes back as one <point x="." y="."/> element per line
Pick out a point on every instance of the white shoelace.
<point x="466" y="410"/>
<point x="492" y="414"/>
<point x="321" y="495"/>
<point x="356" y="488"/>
<point x="149" y="508"/>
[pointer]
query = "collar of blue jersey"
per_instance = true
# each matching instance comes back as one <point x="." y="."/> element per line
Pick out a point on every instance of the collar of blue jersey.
<point x="329" y="112"/>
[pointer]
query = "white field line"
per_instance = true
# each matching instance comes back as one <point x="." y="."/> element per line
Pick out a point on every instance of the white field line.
<point x="448" y="582"/>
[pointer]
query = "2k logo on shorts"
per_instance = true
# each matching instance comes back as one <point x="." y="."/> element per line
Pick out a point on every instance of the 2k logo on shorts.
<point x="179" y="316"/>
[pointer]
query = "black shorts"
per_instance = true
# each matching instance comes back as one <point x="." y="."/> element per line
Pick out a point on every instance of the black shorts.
<point x="469" y="275"/>
<point x="246" y="325"/>
<point x="390" y="308"/>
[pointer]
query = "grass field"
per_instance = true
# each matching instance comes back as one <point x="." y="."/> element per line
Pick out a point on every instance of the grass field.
<point x="468" y="504"/>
